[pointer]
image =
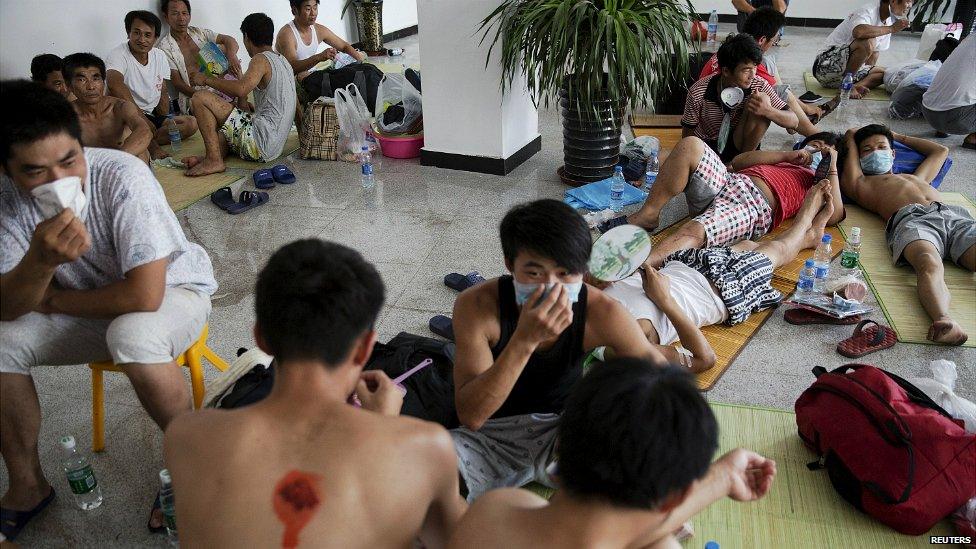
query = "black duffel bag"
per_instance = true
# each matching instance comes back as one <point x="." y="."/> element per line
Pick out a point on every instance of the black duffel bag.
<point x="366" y="77"/>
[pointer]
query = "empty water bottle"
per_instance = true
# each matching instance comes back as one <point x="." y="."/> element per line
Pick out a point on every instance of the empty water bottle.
<point x="804" y="286"/>
<point x="712" y="28"/>
<point x="81" y="477"/>
<point x="366" y="167"/>
<point x="167" y="504"/>
<point x="653" y="166"/>
<point x="175" y="139"/>
<point x="821" y="260"/>
<point x="617" y="186"/>
<point x="846" y="86"/>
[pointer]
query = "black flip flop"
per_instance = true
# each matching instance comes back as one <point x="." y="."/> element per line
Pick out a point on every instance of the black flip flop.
<point x="612" y="223"/>
<point x="12" y="522"/>
<point x="223" y="198"/>
<point x="248" y="200"/>
<point x="823" y="167"/>
<point x="460" y="282"/>
<point x="442" y="326"/>
<point x="157" y="504"/>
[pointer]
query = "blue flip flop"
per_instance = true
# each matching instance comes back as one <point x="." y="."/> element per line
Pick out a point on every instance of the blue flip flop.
<point x="263" y="179"/>
<point x="283" y="175"/>
<point x="442" y="326"/>
<point x="12" y="522"/>
<point x="460" y="282"/>
<point x="223" y="198"/>
<point x="248" y="200"/>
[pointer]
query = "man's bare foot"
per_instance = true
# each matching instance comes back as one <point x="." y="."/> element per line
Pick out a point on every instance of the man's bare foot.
<point x="819" y="222"/>
<point x="156" y="152"/>
<point x="190" y="161"/>
<point x="947" y="331"/>
<point x="647" y="222"/>
<point x="206" y="167"/>
<point x="812" y="202"/>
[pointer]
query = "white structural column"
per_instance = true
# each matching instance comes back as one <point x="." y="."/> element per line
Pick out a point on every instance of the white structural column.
<point x="468" y="123"/>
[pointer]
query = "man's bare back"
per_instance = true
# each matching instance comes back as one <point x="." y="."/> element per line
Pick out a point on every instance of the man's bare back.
<point x="298" y="471"/>
<point x="885" y="194"/>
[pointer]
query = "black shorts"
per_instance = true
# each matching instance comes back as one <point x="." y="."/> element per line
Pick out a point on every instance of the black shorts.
<point x="156" y="119"/>
<point x="730" y="152"/>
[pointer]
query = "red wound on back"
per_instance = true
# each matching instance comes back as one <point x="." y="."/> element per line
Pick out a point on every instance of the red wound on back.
<point x="295" y="501"/>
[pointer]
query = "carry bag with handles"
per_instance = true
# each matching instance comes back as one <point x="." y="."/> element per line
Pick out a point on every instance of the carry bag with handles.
<point x="888" y="448"/>
<point x="318" y="138"/>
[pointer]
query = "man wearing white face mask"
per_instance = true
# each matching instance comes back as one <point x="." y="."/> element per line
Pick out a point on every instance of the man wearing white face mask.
<point x="94" y="267"/>
<point x="921" y="230"/>
<point x="521" y="340"/>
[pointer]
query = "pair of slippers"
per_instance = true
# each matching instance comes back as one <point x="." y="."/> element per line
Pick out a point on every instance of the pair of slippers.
<point x="267" y="177"/>
<point x="443" y="325"/>
<point x="868" y="337"/>
<point x="248" y="200"/>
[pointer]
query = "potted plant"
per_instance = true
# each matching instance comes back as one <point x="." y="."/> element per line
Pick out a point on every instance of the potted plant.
<point x="595" y="56"/>
<point x="369" y="24"/>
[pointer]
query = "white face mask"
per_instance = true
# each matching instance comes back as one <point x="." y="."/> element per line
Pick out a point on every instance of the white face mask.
<point x="51" y="198"/>
<point x="524" y="291"/>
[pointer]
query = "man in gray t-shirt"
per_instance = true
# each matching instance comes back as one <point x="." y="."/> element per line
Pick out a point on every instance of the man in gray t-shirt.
<point x="93" y="266"/>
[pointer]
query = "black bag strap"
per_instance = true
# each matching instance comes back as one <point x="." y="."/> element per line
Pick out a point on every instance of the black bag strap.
<point x="359" y="80"/>
<point x="327" y="90"/>
<point x="915" y="394"/>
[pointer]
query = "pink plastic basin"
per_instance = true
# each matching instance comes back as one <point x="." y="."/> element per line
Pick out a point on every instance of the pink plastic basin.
<point x="402" y="147"/>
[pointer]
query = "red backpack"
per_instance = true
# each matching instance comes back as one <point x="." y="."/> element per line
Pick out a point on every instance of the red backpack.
<point x="888" y="448"/>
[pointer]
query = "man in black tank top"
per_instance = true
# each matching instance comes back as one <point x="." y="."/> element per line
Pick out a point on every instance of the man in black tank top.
<point x="521" y="340"/>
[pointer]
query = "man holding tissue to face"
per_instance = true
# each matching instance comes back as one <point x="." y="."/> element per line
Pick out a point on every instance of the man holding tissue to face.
<point x="94" y="267"/>
<point x="521" y="340"/>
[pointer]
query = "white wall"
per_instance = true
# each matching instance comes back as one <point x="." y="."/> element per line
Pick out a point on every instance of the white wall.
<point x="464" y="110"/>
<point x="31" y="27"/>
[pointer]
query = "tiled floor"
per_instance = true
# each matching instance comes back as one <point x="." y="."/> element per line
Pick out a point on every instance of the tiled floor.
<point x="419" y="224"/>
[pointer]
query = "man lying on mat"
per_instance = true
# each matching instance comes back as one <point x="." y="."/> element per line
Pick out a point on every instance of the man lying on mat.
<point x="258" y="137"/>
<point x="731" y="129"/>
<point x="635" y="461"/>
<point x="106" y="121"/>
<point x="521" y="340"/>
<point x="109" y="277"/>
<point x="701" y="287"/>
<point x="920" y="230"/>
<point x="728" y="207"/>
<point x="303" y="466"/>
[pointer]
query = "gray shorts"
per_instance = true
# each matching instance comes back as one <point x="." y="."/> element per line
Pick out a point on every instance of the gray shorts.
<point x="951" y="229"/>
<point x="957" y="121"/>
<point x="506" y="452"/>
<point x="37" y="339"/>
<point x="831" y="64"/>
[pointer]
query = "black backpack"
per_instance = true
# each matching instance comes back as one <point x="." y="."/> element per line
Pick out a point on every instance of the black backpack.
<point x="943" y="48"/>
<point x="366" y="77"/>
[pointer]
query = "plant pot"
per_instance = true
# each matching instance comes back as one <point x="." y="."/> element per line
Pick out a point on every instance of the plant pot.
<point x="591" y="138"/>
<point x="369" y="23"/>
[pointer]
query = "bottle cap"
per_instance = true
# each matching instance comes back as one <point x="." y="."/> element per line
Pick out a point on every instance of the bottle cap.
<point x="164" y="477"/>
<point x="68" y="442"/>
<point x="809" y="264"/>
<point x="711" y="545"/>
<point x="825" y="239"/>
<point x="365" y="148"/>
<point x="618" y="168"/>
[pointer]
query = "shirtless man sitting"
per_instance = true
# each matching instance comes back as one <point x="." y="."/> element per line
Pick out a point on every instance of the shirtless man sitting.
<point x="303" y="465"/>
<point x="635" y="461"/>
<point x="697" y="288"/>
<point x="766" y="188"/>
<point x="920" y="230"/>
<point x="521" y="340"/>
<point x="106" y="121"/>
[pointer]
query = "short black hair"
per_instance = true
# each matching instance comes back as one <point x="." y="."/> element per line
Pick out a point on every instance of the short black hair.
<point x="633" y="434"/>
<point x="295" y="4"/>
<point x="314" y="298"/>
<point x="765" y="22"/>
<point x="43" y="65"/>
<point x="873" y="129"/>
<point x="146" y="17"/>
<point x="549" y="228"/>
<point x="830" y="138"/>
<point x="738" y="49"/>
<point x="258" y="28"/>
<point x="31" y="112"/>
<point x="77" y="61"/>
<point x="164" y="6"/>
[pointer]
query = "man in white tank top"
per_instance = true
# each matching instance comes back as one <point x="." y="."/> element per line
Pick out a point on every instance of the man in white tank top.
<point x="299" y="40"/>
<point x="701" y="287"/>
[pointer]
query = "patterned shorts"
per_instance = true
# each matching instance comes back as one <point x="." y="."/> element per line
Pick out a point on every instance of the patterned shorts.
<point x="238" y="130"/>
<point x="728" y="205"/>
<point x="831" y="64"/>
<point x="741" y="278"/>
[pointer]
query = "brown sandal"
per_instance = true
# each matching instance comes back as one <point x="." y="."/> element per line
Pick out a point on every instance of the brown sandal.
<point x="802" y="317"/>
<point x="867" y="340"/>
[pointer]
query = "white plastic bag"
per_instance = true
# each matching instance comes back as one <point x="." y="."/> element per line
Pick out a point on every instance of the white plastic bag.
<point x="895" y="74"/>
<point x="355" y="129"/>
<point x="394" y="88"/>
<point x="906" y="99"/>
<point x="941" y="389"/>
<point x="933" y="33"/>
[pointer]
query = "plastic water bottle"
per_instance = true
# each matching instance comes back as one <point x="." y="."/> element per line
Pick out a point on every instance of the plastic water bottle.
<point x="804" y="286"/>
<point x="711" y="545"/>
<point x="81" y="477"/>
<point x="821" y="260"/>
<point x="168" y="506"/>
<point x="712" y="28"/>
<point x="846" y="86"/>
<point x="852" y="251"/>
<point x="175" y="139"/>
<point x="653" y="166"/>
<point x="617" y="186"/>
<point x="366" y="167"/>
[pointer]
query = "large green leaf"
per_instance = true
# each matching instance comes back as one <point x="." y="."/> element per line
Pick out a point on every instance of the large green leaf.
<point x="621" y="50"/>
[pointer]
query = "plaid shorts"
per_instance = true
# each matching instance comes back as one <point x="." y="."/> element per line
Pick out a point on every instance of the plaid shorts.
<point x="238" y="130"/>
<point x="734" y="208"/>
<point x="831" y="64"/>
